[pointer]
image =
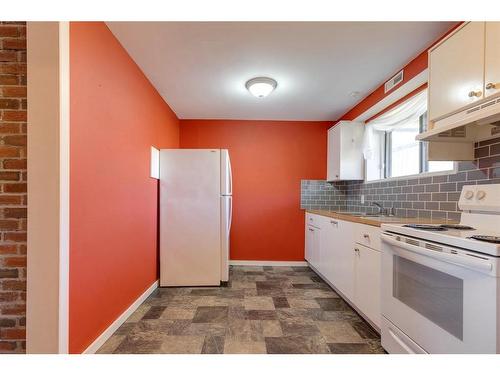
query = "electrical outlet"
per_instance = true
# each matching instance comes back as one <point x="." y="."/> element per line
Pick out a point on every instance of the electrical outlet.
<point x="362" y="199"/>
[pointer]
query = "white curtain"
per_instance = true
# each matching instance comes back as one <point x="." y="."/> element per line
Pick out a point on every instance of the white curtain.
<point x="410" y="110"/>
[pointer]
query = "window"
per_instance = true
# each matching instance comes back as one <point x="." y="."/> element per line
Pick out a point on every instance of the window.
<point x="390" y="147"/>
<point x="404" y="155"/>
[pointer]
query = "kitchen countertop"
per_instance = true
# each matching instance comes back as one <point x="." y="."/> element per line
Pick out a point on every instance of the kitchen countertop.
<point x="378" y="221"/>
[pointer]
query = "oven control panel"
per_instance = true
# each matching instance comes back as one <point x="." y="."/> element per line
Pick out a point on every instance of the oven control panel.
<point x="480" y="198"/>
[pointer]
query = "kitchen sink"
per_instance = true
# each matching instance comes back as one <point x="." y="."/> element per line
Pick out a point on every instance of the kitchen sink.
<point x="367" y="215"/>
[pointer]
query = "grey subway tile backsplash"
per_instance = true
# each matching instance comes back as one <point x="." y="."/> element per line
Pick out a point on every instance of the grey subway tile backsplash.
<point x="426" y="197"/>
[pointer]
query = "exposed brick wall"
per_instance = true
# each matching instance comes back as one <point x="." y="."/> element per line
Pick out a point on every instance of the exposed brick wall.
<point x="13" y="181"/>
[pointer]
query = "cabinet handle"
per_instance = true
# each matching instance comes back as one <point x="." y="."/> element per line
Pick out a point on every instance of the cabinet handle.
<point x="366" y="235"/>
<point x="311" y="230"/>
<point x="356" y="250"/>
<point x="490" y="86"/>
<point x="334" y="222"/>
<point x="476" y="94"/>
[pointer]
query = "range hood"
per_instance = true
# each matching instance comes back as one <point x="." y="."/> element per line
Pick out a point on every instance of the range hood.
<point x="473" y="124"/>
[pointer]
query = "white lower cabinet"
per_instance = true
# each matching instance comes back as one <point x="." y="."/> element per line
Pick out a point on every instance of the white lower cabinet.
<point x="338" y="245"/>
<point x="331" y="248"/>
<point x="367" y="284"/>
<point x="313" y="248"/>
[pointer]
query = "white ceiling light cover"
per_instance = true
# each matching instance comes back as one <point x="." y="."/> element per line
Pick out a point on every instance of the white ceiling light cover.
<point x="261" y="86"/>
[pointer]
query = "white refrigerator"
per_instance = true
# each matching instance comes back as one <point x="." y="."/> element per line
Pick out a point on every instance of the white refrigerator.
<point x="195" y="216"/>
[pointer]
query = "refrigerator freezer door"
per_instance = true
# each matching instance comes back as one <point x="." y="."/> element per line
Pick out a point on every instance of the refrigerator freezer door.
<point x="226" y="173"/>
<point x="226" y="218"/>
<point x="190" y="217"/>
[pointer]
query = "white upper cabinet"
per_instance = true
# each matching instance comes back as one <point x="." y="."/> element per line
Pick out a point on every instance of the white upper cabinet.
<point x="492" y="59"/>
<point x="345" y="153"/>
<point x="456" y="70"/>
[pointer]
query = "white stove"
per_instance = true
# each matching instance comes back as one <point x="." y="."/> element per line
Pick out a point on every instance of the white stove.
<point x="441" y="283"/>
<point x="481" y="212"/>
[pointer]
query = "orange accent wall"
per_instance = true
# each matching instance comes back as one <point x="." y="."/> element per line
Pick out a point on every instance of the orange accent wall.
<point x="412" y="69"/>
<point x="269" y="158"/>
<point x="116" y="116"/>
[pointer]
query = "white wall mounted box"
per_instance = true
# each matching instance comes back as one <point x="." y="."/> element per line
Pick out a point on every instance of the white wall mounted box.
<point x="155" y="163"/>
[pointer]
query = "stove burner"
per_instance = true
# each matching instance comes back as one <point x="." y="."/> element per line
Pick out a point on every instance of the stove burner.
<point x="456" y="226"/>
<point x="425" y="227"/>
<point x="493" y="239"/>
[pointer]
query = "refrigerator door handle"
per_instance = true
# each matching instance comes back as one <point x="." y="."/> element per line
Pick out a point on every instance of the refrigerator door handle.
<point x="230" y="175"/>
<point x="230" y="214"/>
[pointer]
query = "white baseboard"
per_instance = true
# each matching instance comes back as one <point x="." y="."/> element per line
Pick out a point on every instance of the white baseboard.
<point x="267" y="263"/>
<point x="103" y="337"/>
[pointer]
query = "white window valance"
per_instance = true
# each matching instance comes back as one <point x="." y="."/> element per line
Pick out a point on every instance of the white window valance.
<point x="410" y="110"/>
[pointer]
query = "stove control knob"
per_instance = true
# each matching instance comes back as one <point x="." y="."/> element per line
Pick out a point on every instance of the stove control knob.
<point x="481" y="194"/>
<point x="469" y="194"/>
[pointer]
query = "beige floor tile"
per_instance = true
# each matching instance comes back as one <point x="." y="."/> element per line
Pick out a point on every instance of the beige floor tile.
<point x="182" y="344"/>
<point x="110" y="345"/>
<point x="271" y="328"/>
<point x="138" y="314"/>
<point x="245" y="330"/>
<point x="175" y="313"/>
<point x="298" y="303"/>
<point x="244" y="347"/>
<point x="339" y="332"/>
<point x="243" y="285"/>
<point x="258" y="303"/>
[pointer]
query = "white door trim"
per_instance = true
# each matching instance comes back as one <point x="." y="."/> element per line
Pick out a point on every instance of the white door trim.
<point x="267" y="263"/>
<point x="64" y="192"/>
<point x="108" y="332"/>
<point x="48" y="188"/>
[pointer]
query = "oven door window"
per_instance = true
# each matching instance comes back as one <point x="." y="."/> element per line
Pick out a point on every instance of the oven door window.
<point x="436" y="295"/>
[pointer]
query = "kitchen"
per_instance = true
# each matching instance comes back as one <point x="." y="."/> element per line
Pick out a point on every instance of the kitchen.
<point x="243" y="210"/>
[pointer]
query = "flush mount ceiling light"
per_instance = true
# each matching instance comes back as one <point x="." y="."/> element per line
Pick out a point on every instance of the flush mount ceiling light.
<point x="261" y="86"/>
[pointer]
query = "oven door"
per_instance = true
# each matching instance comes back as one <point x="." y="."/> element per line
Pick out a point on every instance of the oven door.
<point x="446" y="302"/>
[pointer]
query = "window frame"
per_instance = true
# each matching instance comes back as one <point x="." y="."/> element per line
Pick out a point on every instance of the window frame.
<point x="424" y="162"/>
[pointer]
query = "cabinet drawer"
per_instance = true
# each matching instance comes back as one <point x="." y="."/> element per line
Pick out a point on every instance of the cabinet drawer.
<point x="369" y="236"/>
<point x="315" y="220"/>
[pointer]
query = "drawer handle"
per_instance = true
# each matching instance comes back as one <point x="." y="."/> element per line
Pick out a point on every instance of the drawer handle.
<point x="334" y="222"/>
<point x="490" y="86"/>
<point x="356" y="250"/>
<point x="366" y="235"/>
<point x="476" y="94"/>
<point x="311" y="230"/>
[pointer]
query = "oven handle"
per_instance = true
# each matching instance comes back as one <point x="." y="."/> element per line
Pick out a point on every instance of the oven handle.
<point x="450" y="258"/>
<point x="401" y="342"/>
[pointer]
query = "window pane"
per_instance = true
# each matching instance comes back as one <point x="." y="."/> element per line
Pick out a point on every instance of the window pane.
<point x="405" y="151"/>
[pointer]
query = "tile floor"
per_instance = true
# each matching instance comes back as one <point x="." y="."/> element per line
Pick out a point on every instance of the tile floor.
<point x="285" y="310"/>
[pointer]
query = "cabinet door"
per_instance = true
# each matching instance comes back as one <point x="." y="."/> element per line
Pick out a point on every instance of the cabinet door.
<point x="313" y="248"/>
<point x="309" y="243"/>
<point x="343" y="259"/>
<point x="351" y="158"/>
<point x="329" y="239"/>
<point x="456" y="69"/>
<point x="334" y="153"/>
<point x="492" y="59"/>
<point x="367" y="285"/>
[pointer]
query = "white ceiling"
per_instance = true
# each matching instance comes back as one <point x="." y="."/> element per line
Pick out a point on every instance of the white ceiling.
<point x="200" y="68"/>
